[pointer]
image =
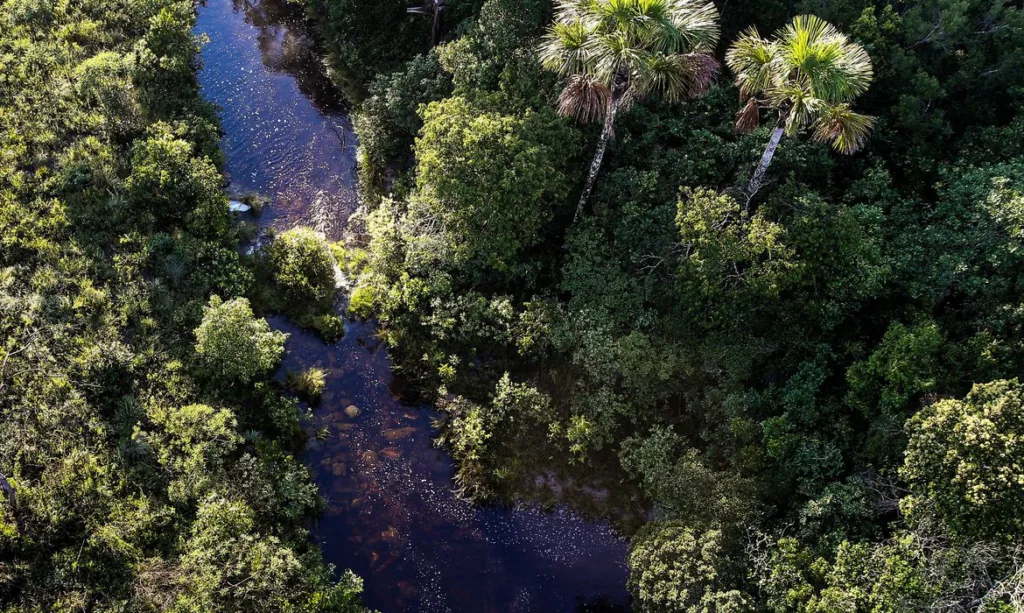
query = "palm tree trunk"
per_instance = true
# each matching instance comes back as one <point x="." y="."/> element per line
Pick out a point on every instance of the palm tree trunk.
<point x="438" y="8"/>
<point x="758" y="179"/>
<point x="602" y="145"/>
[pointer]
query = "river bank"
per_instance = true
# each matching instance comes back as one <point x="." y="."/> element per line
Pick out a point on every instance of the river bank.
<point x="391" y="513"/>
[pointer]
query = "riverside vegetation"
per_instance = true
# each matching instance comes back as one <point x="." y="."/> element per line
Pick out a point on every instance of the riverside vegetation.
<point x="147" y="453"/>
<point x="765" y="254"/>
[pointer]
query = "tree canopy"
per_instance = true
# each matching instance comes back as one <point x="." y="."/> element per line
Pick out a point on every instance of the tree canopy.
<point x="782" y="366"/>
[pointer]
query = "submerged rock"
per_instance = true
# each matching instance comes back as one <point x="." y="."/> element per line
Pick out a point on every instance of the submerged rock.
<point x="339" y="469"/>
<point x="397" y="434"/>
<point x="391" y="453"/>
<point x="352" y="411"/>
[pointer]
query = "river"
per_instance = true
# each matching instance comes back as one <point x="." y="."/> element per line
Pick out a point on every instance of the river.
<point x="390" y="513"/>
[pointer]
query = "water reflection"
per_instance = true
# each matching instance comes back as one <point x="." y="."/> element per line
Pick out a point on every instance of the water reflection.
<point x="286" y="133"/>
<point x="391" y="514"/>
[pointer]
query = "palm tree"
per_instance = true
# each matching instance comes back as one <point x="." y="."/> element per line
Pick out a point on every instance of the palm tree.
<point x="614" y="52"/>
<point x="807" y="75"/>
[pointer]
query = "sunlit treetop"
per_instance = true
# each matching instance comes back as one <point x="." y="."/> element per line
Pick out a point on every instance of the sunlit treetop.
<point x="810" y="72"/>
<point x="631" y="48"/>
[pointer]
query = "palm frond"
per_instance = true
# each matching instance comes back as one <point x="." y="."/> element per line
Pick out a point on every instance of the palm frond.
<point x="845" y="130"/>
<point x="856" y="64"/>
<point x="803" y="111"/>
<point x="643" y="45"/>
<point x="752" y="60"/>
<point x="698" y="24"/>
<point x="677" y="76"/>
<point x="568" y="11"/>
<point x="748" y="117"/>
<point x="564" y="48"/>
<point x="584" y="98"/>
<point x="823" y="60"/>
<point x="701" y="69"/>
<point x="615" y="15"/>
<point x="615" y="54"/>
<point x="680" y="26"/>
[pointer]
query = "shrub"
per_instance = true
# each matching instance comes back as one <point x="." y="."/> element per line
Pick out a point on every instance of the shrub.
<point x="302" y="269"/>
<point x="308" y="384"/>
<point x="330" y="326"/>
<point x="674" y="568"/>
<point x="361" y="303"/>
<point x="235" y="346"/>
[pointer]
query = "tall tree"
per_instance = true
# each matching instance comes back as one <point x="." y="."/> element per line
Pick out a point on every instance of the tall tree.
<point x="806" y="76"/>
<point x="615" y="52"/>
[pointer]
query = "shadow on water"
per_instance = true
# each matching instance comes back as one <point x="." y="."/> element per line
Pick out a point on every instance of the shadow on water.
<point x="390" y="512"/>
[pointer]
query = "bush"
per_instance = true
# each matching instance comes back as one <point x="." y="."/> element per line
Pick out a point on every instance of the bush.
<point x="169" y="182"/>
<point x="308" y="384"/>
<point x="490" y="179"/>
<point x="388" y="119"/>
<point x="235" y="346"/>
<point x="674" y="568"/>
<point x="361" y="303"/>
<point x="191" y="443"/>
<point x="301" y="266"/>
<point x="330" y="327"/>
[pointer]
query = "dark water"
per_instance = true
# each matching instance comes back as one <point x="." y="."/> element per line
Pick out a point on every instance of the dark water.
<point x="391" y="515"/>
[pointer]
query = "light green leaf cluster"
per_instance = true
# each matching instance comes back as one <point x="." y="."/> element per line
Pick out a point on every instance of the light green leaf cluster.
<point x="234" y="345"/>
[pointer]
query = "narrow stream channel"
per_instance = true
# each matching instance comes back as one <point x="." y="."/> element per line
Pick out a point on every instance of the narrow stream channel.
<point x="391" y="515"/>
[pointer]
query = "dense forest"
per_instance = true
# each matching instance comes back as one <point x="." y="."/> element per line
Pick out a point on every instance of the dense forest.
<point x="760" y="264"/>
<point x="147" y="453"/>
<point x="763" y="260"/>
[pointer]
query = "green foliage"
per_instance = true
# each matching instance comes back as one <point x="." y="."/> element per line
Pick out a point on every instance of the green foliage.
<point x="361" y="302"/>
<point x="229" y="564"/>
<point x="728" y="255"/>
<point x="171" y="184"/>
<point x="135" y="490"/>
<point x="466" y="436"/>
<point x="192" y="444"/>
<point x="298" y="276"/>
<point x="676" y="569"/>
<point x="964" y="457"/>
<point x="301" y="267"/>
<point x="913" y="570"/>
<point x="487" y="180"/>
<point x="235" y="346"/>
<point x="779" y="374"/>
<point x="388" y="119"/>
<point x="308" y="384"/>
<point x="366" y="37"/>
<point x="682" y="487"/>
<point x="495" y="52"/>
